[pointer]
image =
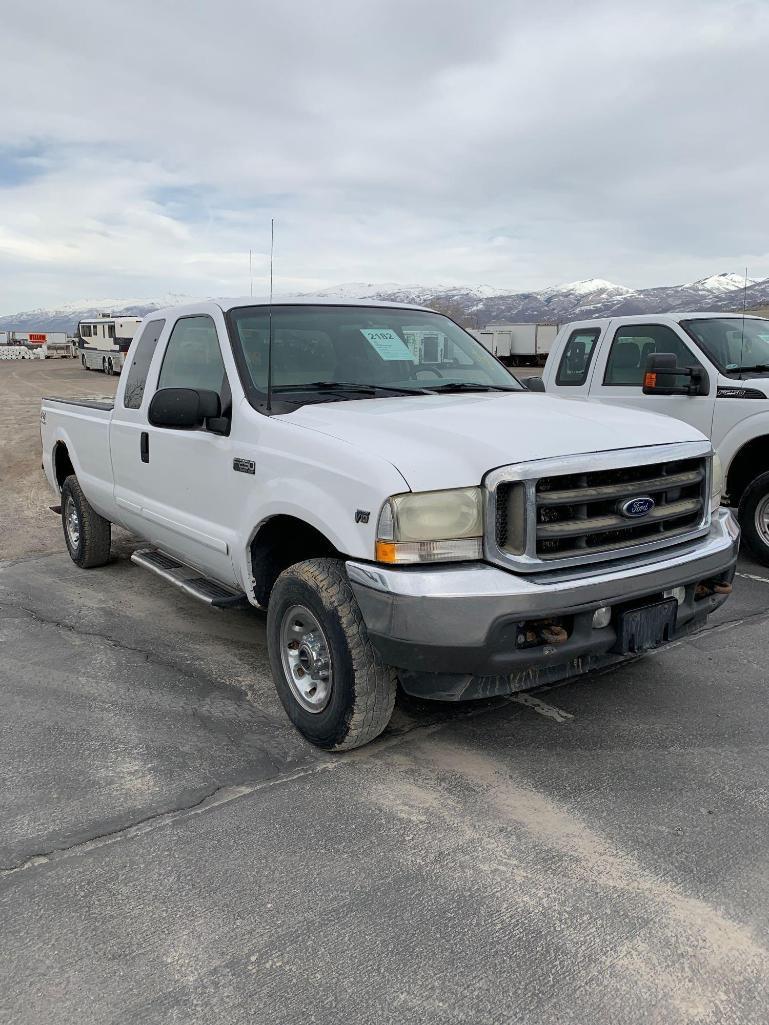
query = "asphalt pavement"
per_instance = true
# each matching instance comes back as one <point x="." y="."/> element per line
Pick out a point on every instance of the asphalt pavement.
<point x="172" y="851"/>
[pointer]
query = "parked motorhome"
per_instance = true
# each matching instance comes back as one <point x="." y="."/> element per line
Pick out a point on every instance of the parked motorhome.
<point x="103" y="341"/>
<point x="518" y="345"/>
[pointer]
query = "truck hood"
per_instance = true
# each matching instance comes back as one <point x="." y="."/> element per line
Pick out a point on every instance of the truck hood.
<point x="448" y="441"/>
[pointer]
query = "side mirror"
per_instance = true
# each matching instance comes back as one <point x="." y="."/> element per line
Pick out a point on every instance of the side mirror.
<point x="661" y="373"/>
<point x="534" y="383"/>
<point x="183" y="407"/>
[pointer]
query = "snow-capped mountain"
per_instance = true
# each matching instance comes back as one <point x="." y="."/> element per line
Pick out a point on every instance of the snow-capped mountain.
<point x="718" y="283"/>
<point x="478" y="305"/>
<point x="65" y="317"/>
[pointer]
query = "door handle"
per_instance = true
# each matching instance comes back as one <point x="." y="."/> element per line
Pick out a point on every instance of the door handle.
<point x="144" y="446"/>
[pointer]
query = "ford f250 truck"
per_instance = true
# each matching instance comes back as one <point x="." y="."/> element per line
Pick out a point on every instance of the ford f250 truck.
<point x="401" y="520"/>
<point x="709" y="369"/>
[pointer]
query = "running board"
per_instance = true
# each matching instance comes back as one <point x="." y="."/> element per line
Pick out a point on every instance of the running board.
<point x="187" y="579"/>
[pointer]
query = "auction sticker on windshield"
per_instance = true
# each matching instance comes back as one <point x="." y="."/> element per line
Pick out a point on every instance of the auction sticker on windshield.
<point x="387" y="343"/>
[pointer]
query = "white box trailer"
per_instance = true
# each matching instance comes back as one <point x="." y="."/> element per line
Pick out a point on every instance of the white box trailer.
<point x="518" y="344"/>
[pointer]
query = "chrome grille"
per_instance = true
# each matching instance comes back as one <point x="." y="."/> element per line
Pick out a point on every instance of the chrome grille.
<point x="574" y="517"/>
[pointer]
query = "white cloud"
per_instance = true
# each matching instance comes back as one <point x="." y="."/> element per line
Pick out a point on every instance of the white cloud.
<point x="498" y="142"/>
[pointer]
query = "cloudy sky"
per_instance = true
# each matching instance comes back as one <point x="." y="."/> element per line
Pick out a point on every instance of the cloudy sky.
<point x="144" y="145"/>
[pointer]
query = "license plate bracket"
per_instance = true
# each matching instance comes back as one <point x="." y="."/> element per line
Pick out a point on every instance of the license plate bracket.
<point x="646" y="627"/>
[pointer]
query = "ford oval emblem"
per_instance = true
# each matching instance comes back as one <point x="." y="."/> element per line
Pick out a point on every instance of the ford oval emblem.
<point x="635" y="508"/>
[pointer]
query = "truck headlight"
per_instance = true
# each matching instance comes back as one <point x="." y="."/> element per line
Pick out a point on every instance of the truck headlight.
<point x="431" y="526"/>
<point x="716" y="483"/>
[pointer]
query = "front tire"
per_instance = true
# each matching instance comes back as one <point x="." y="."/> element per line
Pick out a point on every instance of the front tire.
<point x="87" y="534"/>
<point x="753" y="515"/>
<point x="333" y="685"/>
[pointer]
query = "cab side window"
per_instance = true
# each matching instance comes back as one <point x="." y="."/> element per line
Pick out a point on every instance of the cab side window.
<point x="193" y="358"/>
<point x="575" y="361"/>
<point x="631" y="348"/>
<point x="140" y="364"/>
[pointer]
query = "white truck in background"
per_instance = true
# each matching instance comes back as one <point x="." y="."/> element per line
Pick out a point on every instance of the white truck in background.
<point x="710" y="370"/>
<point x="401" y="506"/>
<point x="518" y="345"/>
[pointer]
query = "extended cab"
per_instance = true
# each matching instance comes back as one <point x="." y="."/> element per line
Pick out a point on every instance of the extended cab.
<point x="400" y="519"/>
<point x="711" y="370"/>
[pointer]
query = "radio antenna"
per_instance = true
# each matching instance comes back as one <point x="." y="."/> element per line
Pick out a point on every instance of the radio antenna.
<point x="269" y="321"/>
<point x="250" y="274"/>
<point x="744" y="304"/>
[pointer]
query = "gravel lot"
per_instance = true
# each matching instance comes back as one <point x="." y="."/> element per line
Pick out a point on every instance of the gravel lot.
<point x="172" y="851"/>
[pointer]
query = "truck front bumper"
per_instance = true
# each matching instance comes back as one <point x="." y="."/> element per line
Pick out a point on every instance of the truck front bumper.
<point x="460" y="632"/>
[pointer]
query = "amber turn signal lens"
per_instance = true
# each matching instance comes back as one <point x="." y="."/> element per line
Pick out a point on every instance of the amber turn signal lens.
<point x="650" y="381"/>
<point x="386" y="551"/>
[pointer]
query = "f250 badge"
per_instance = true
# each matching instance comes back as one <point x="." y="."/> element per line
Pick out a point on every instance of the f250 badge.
<point x="244" y="465"/>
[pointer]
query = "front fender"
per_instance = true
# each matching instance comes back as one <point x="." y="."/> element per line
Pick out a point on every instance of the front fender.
<point x="747" y="429"/>
<point x="332" y="486"/>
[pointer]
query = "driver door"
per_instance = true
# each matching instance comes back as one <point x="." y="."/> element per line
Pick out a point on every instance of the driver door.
<point x="188" y="472"/>
<point x="618" y="377"/>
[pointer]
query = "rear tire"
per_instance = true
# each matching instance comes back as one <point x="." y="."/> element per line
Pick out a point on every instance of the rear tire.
<point x="87" y="534"/>
<point x="333" y="685"/>
<point x="753" y="515"/>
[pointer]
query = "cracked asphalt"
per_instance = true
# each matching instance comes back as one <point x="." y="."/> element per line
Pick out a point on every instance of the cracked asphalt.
<point x="172" y="851"/>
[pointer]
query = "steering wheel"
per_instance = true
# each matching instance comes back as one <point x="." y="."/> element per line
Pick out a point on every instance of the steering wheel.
<point x="428" y="370"/>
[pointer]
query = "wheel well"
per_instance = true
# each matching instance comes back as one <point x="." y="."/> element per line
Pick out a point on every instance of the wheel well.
<point x="62" y="464"/>
<point x="279" y="543"/>
<point x="750" y="461"/>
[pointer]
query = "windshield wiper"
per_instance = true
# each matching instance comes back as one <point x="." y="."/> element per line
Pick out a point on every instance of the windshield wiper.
<point x="741" y="370"/>
<point x="350" y="387"/>
<point x="467" y="386"/>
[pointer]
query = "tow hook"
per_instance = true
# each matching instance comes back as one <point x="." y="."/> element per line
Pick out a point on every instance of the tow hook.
<point x="542" y="631"/>
<point x="709" y="587"/>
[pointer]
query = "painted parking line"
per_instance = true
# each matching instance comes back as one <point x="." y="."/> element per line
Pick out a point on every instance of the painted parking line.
<point x="548" y="711"/>
<point x="752" y="576"/>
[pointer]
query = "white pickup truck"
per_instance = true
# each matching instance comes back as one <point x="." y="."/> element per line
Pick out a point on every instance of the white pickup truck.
<point x="711" y="370"/>
<point x="430" y="523"/>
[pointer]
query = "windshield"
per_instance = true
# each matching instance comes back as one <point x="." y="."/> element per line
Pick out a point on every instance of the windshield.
<point x="732" y="349"/>
<point x="330" y="353"/>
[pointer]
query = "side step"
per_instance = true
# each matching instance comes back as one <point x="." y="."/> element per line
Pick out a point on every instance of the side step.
<point x="188" y="580"/>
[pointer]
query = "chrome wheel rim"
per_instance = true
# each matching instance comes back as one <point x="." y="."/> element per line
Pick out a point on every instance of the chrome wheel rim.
<point x="72" y="522"/>
<point x="306" y="658"/>
<point x="762" y="519"/>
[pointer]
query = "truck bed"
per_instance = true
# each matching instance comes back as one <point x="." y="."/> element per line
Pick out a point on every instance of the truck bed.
<point x="78" y="430"/>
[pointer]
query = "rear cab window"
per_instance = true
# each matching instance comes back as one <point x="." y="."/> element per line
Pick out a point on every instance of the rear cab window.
<point x="577" y="357"/>
<point x="140" y="364"/>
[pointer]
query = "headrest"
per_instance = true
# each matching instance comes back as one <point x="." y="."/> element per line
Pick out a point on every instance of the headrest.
<point x="626" y="356"/>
